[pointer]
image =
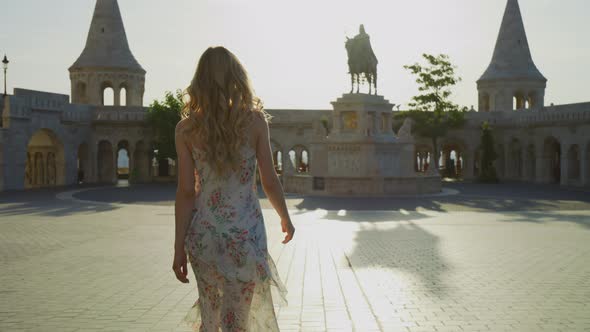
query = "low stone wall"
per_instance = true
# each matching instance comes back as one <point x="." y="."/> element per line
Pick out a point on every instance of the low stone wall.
<point x="297" y="184"/>
<point x="370" y="186"/>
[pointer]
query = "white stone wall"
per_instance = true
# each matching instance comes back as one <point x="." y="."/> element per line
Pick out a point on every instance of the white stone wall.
<point x="28" y="112"/>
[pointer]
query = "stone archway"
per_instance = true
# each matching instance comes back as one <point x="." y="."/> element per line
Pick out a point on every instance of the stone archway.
<point x="451" y="158"/>
<point x="277" y="156"/>
<point x="107" y="94"/>
<point x="105" y="162"/>
<point x="551" y="160"/>
<point x="123" y="163"/>
<point x="292" y="160"/>
<point x="297" y="160"/>
<point x="422" y="157"/>
<point x="45" y="161"/>
<point x="124" y="94"/>
<point x="304" y="164"/>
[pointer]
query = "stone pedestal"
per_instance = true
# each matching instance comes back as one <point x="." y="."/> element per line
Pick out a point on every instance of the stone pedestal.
<point x="362" y="155"/>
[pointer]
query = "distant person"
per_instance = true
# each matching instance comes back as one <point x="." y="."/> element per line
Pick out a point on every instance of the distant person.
<point x="219" y="223"/>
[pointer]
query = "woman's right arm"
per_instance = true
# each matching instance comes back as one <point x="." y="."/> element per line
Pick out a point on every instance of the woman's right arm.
<point x="270" y="181"/>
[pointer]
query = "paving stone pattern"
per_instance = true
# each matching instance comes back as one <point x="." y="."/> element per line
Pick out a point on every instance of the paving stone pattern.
<point x="82" y="266"/>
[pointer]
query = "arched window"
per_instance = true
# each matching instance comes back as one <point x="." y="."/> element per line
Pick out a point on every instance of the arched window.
<point x="123" y="163"/>
<point x="108" y="96"/>
<point x="293" y="159"/>
<point x="123" y="96"/>
<point x="531" y="100"/>
<point x="519" y="102"/>
<point x="304" y="167"/>
<point x="278" y="161"/>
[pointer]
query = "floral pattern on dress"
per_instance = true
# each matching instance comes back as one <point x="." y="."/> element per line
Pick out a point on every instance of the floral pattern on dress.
<point x="222" y="210"/>
<point x="247" y="169"/>
<point x="227" y="248"/>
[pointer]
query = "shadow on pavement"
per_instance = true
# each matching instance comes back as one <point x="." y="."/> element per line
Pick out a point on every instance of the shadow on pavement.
<point x="407" y="247"/>
<point x="43" y="202"/>
<point x="549" y="216"/>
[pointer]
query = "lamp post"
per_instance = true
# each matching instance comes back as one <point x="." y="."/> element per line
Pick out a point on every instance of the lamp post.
<point x="5" y="66"/>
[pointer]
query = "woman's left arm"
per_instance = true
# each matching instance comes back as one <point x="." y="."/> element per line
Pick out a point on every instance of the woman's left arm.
<point x="184" y="203"/>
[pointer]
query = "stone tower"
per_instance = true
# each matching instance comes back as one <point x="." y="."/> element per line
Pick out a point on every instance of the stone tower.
<point x="512" y="81"/>
<point x="107" y="62"/>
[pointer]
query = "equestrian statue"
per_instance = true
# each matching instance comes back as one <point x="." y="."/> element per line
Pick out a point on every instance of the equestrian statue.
<point x="362" y="62"/>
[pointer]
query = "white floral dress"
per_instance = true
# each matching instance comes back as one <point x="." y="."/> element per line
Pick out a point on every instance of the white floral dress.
<point x="227" y="249"/>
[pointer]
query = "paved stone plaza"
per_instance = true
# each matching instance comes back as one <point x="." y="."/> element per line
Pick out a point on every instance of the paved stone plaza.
<point x="479" y="258"/>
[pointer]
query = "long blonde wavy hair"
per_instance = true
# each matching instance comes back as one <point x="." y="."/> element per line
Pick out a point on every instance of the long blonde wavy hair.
<point x="220" y="103"/>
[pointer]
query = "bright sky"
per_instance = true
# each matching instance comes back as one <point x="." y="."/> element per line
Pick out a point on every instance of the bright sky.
<point x="294" y="50"/>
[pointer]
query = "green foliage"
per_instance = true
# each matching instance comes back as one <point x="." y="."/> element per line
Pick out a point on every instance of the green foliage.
<point x="434" y="82"/>
<point x="489" y="155"/>
<point x="325" y="123"/>
<point x="162" y="117"/>
<point x="431" y="110"/>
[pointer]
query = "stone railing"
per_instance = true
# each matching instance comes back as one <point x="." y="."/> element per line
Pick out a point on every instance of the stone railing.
<point x="550" y="115"/>
<point x="119" y="114"/>
<point x="42" y="100"/>
<point x="77" y="114"/>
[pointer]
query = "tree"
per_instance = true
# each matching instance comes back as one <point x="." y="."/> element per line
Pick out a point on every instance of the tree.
<point x="432" y="111"/>
<point x="162" y="117"/>
<point x="489" y="155"/>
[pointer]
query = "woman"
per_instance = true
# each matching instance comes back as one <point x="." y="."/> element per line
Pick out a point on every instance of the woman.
<point x="219" y="223"/>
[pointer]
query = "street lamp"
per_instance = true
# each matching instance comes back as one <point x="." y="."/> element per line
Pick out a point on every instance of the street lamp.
<point x="5" y="66"/>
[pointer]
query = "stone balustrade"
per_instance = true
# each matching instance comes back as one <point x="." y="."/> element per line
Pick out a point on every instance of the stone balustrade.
<point x="120" y="113"/>
<point x="550" y="115"/>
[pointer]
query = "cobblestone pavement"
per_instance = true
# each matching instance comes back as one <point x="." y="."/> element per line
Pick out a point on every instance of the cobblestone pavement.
<point x="469" y="262"/>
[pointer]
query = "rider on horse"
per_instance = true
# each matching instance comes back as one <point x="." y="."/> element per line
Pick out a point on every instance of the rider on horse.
<point x="362" y="60"/>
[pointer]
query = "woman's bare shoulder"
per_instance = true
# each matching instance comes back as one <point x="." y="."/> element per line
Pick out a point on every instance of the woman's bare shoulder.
<point x="182" y="125"/>
<point x="259" y="121"/>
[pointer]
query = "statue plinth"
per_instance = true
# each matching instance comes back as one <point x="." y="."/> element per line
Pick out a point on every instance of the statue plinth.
<point x="362" y="155"/>
<point x="362" y="117"/>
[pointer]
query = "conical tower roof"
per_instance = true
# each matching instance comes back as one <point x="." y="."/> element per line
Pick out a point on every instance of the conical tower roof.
<point x="512" y="57"/>
<point x="107" y="46"/>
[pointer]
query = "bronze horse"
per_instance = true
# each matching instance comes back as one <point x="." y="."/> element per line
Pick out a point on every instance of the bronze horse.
<point x="361" y="61"/>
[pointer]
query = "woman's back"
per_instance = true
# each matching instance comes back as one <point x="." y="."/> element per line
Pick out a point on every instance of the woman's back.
<point x="219" y="145"/>
<point x="229" y="197"/>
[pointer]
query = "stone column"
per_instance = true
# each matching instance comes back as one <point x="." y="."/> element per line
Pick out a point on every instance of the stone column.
<point x="388" y="124"/>
<point x="131" y="162"/>
<point x="114" y="165"/>
<point x="468" y="163"/>
<point x="90" y="173"/>
<point x="459" y="164"/>
<point x="539" y="163"/>
<point x="564" y="167"/>
<point x="363" y="123"/>
<point x="507" y="168"/>
<point x="376" y="126"/>
<point x="117" y="94"/>
<point x="287" y="166"/>
<point x="584" y="171"/>
<point x="524" y="176"/>
<point x="70" y="155"/>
